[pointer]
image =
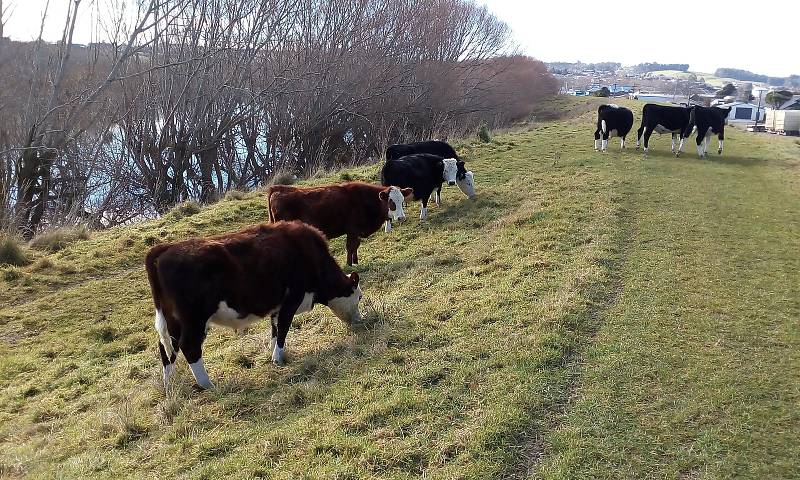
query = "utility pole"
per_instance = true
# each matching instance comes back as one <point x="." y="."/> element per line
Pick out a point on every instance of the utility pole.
<point x="758" y="112"/>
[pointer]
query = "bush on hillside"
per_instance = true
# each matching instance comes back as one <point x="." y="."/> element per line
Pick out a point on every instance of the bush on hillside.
<point x="283" y="178"/>
<point x="186" y="209"/>
<point x="11" y="251"/>
<point x="235" y="195"/>
<point x="58" y="239"/>
<point x="483" y="134"/>
<point x="603" y="92"/>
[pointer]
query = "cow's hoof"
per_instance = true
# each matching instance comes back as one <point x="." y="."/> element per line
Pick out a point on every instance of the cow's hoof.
<point x="200" y="388"/>
<point x="278" y="357"/>
<point x="719" y="152"/>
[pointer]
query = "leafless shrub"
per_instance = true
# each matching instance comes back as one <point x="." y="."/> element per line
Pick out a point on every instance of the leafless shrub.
<point x="198" y="97"/>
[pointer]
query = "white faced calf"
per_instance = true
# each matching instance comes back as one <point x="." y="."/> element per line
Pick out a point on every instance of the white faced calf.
<point x="275" y="270"/>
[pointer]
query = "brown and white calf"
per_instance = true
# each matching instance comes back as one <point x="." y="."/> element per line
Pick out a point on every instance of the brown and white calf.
<point x="354" y="209"/>
<point x="233" y="280"/>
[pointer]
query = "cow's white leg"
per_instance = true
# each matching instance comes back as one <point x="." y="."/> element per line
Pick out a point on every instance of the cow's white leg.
<point x="622" y="143"/>
<point x="700" y="149"/>
<point x="388" y="227"/>
<point x="163" y="333"/>
<point x="680" y="147"/>
<point x="423" y="213"/>
<point x="605" y="145"/>
<point x="597" y="144"/>
<point x="169" y="370"/>
<point x="719" y="150"/>
<point x="673" y="143"/>
<point x="278" y="357"/>
<point x="200" y="374"/>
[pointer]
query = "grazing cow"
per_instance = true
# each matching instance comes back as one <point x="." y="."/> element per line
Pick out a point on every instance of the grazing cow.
<point x="612" y="121"/>
<point x="708" y="121"/>
<point x="662" y="119"/>
<point x="421" y="172"/>
<point x="233" y="280"/>
<point x="438" y="148"/>
<point x="466" y="185"/>
<point x="354" y="209"/>
<point x="434" y="147"/>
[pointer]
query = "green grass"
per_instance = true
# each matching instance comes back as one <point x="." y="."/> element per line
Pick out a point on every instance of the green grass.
<point x="587" y="316"/>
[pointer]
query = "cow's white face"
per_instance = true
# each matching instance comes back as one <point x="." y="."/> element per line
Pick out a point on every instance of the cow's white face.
<point x="346" y="308"/>
<point x="450" y="171"/>
<point x="467" y="185"/>
<point x="395" y="196"/>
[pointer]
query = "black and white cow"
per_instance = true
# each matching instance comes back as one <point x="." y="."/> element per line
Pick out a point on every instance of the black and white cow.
<point x="612" y="121"/>
<point x="662" y="119"/>
<point x="708" y="121"/>
<point x="441" y="149"/>
<point x="434" y="147"/>
<point x="423" y="173"/>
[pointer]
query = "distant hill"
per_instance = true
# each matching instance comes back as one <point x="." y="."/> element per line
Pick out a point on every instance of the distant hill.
<point x="654" y="67"/>
<point x="747" y="76"/>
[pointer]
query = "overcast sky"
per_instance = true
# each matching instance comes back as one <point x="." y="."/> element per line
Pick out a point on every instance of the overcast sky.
<point x="706" y="34"/>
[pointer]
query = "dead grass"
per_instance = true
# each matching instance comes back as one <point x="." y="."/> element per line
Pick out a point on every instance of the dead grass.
<point x="58" y="239"/>
<point x="11" y="251"/>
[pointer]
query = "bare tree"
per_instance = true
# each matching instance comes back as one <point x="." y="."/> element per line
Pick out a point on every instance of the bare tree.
<point x="190" y="98"/>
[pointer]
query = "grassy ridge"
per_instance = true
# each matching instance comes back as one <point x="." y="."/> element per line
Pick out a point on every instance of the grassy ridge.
<point x="696" y="370"/>
<point x="540" y="330"/>
<point x="470" y="319"/>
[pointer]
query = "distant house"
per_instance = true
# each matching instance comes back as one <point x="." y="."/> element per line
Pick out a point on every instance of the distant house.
<point x="791" y="104"/>
<point x="744" y="112"/>
<point x="653" y="97"/>
<point x="614" y="89"/>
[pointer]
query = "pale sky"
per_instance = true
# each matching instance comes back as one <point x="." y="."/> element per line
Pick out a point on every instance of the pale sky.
<point x="706" y="34"/>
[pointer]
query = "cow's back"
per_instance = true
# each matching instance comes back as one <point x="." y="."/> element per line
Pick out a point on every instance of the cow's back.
<point x="332" y="209"/>
<point x="432" y="147"/>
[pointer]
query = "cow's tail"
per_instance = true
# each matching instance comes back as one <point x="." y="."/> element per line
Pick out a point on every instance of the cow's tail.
<point x="150" y="264"/>
<point x="691" y="124"/>
<point x="270" y="192"/>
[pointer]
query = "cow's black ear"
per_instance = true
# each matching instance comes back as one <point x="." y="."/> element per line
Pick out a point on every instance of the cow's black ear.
<point x="460" y="163"/>
<point x="354" y="278"/>
<point x="384" y="195"/>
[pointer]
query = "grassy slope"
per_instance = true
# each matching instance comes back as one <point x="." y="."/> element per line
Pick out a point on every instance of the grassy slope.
<point x="696" y="370"/>
<point x="466" y="365"/>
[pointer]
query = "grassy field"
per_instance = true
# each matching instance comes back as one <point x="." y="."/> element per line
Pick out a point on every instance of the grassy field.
<point x="588" y="316"/>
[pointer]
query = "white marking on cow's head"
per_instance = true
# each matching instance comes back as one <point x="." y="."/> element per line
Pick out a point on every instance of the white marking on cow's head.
<point x="346" y="308"/>
<point x="467" y="184"/>
<point x="450" y="171"/>
<point x="395" y="197"/>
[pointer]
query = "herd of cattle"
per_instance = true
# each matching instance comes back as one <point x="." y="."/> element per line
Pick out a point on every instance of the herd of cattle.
<point x="284" y="268"/>
<point x="680" y="122"/>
